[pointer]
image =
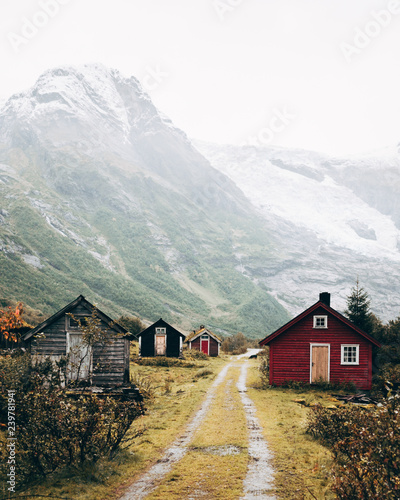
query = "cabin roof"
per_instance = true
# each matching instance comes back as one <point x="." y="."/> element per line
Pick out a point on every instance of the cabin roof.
<point x="203" y="330"/>
<point x="69" y="307"/>
<point x="160" y="323"/>
<point x="308" y="311"/>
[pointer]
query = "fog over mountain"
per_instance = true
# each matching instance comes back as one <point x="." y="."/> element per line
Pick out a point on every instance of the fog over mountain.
<point x="101" y="194"/>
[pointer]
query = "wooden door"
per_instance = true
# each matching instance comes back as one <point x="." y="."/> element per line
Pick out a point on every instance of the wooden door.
<point x="80" y="358"/>
<point x="204" y="343"/>
<point x="320" y="363"/>
<point x="161" y="345"/>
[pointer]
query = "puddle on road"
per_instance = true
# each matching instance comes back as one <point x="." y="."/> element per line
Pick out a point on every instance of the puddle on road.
<point x="221" y="451"/>
<point x="259" y="481"/>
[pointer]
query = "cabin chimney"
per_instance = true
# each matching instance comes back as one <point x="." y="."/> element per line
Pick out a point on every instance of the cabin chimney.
<point x="325" y="298"/>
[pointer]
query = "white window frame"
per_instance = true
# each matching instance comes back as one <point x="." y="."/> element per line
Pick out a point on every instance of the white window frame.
<point x="161" y="331"/>
<point x="318" y="317"/>
<point x="354" y="363"/>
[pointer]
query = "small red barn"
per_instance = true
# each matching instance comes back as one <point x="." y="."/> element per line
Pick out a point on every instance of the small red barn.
<point x="320" y="344"/>
<point x="204" y="340"/>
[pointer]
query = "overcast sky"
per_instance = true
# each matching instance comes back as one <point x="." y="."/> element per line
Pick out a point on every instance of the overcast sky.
<point x="314" y="74"/>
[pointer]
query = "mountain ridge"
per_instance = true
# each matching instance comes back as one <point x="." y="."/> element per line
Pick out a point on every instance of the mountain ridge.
<point x="117" y="205"/>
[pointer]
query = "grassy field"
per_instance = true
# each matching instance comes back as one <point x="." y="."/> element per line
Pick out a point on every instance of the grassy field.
<point x="302" y="465"/>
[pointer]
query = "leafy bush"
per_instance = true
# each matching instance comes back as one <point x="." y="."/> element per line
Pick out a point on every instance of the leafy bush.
<point x="330" y="426"/>
<point x="54" y="430"/>
<point x="144" y="384"/>
<point x="237" y="344"/>
<point x="195" y="354"/>
<point x="366" y="448"/>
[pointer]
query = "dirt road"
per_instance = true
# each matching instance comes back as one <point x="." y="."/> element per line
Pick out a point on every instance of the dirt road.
<point x="258" y="480"/>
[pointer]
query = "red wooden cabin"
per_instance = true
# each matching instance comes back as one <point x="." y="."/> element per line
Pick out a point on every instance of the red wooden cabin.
<point x="205" y="341"/>
<point x="320" y="344"/>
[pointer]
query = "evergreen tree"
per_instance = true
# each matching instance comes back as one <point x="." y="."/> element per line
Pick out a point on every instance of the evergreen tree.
<point x="358" y="310"/>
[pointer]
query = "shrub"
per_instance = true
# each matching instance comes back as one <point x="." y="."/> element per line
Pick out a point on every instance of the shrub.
<point x="203" y="373"/>
<point x="54" y="430"/>
<point x="144" y="384"/>
<point x="366" y="448"/>
<point x="330" y="426"/>
<point x="195" y="354"/>
<point x="236" y="344"/>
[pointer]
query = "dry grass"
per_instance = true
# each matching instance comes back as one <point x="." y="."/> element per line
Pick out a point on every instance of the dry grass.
<point x="216" y="464"/>
<point x="302" y="465"/>
<point x="177" y="396"/>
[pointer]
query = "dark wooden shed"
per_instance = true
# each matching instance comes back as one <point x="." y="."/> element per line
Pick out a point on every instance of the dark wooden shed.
<point x="106" y="364"/>
<point x="160" y="339"/>
<point x="204" y="340"/>
<point x="320" y="344"/>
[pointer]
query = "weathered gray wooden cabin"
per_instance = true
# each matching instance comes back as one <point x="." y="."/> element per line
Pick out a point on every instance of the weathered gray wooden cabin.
<point x="106" y="364"/>
<point x="160" y="339"/>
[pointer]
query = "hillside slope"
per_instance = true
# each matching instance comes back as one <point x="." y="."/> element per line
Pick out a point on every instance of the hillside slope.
<point x="101" y="195"/>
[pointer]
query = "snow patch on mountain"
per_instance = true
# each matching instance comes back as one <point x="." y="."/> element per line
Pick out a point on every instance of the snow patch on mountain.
<point x="301" y="190"/>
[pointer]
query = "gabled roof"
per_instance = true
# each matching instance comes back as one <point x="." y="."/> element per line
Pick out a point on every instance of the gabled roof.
<point x="159" y="324"/>
<point x="308" y="311"/>
<point x="70" y="307"/>
<point x="203" y="330"/>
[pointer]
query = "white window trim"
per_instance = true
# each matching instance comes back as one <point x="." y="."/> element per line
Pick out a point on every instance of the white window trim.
<point x="315" y="318"/>
<point x="354" y="363"/>
<point x="329" y="359"/>
<point x="161" y="331"/>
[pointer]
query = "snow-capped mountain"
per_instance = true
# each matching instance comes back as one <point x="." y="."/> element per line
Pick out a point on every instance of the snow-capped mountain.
<point x="345" y="208"/>
<point x="101" y="195"/>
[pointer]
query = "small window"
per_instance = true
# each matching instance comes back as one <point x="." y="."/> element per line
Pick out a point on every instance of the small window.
<point x="320" y="321"/>
<point x="204" y="337"/>
<point x="161" y="331"/>
<point x="350" y="354"/>
<point x="73" y="323"/>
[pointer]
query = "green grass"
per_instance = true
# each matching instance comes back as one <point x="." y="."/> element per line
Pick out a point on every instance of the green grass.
<point x="302" y="465"/>
<point x="209" y="468"/>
